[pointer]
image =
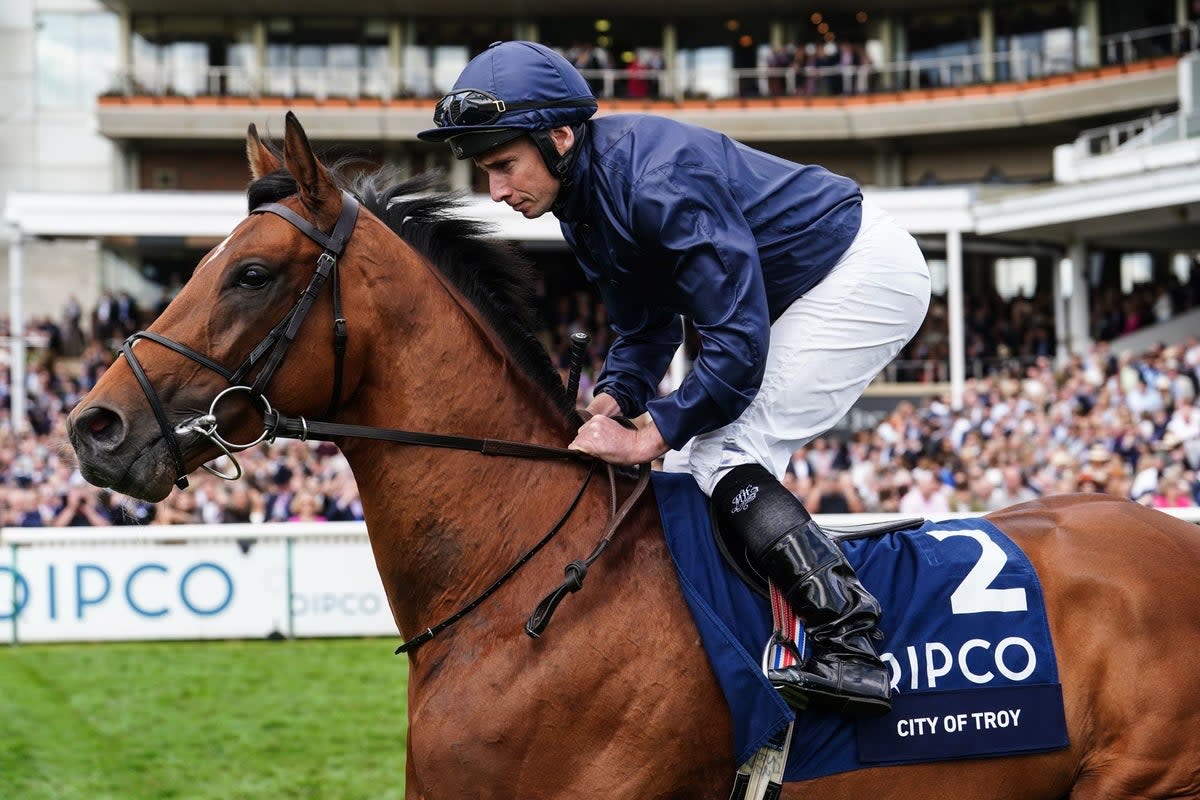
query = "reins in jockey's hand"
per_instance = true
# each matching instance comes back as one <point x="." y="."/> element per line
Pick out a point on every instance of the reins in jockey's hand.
<point x="300" y="428"/>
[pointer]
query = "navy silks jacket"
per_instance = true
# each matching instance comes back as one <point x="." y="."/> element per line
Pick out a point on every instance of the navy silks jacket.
<point x="669" y="219"/>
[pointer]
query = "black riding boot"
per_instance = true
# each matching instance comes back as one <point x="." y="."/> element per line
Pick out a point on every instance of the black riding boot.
<point x="843" y="672"/>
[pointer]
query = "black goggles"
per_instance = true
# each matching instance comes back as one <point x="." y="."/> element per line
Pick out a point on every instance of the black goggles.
<point x="476" y="107"/>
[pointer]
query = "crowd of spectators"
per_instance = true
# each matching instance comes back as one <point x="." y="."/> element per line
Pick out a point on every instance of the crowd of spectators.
<point x="1127" y="424"/>
<point x="829" y="68"/>
<point x="814" y="69"/>
<point x="40" y="486"/>
<point x="1122" y="424"/>
<point x="1015" y="332"/>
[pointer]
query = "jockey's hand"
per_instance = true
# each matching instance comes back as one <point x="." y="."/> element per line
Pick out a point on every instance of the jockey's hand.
<point x="604" y="405"/>
<point x="608" y="440"/>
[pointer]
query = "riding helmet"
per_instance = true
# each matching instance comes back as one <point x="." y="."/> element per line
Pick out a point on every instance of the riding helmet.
<point x="510" y="89"/>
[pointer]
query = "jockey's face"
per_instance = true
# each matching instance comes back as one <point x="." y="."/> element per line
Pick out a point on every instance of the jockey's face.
<point x="518" y="176"/>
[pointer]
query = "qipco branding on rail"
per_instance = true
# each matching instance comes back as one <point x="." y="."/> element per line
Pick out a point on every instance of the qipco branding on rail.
<point x="149" y="590"/>
<point x="348" y="604"/>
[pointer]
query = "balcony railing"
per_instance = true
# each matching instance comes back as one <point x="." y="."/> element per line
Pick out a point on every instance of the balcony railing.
<point x="1134" y="133"/>
<point x="1013" y="65"/>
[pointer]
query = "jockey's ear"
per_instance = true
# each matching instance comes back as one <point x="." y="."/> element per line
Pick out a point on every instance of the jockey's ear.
<point x="317" y="191"/>
<point x="262" y="160"/>
<point x="563" y="138"/>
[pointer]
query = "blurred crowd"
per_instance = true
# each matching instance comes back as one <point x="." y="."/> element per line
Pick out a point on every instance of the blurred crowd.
<point x="40" y="486"/>
<point x="1122" y="424"/>
<point x="1126" y="424"/>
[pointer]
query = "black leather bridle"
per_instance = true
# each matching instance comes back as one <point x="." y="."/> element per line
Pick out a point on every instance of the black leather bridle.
<point x="275" y="346"/>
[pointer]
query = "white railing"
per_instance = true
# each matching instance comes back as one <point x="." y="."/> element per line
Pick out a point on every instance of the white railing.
<point x="1122" y="48"/>
<point x="159" y="582"/>
<point x="162" y="582"/>
<point x="329" y="531"/>
<point x="1131" y="133"/>
<point x="1129" y="148"/>
<point x="941" y="71"/>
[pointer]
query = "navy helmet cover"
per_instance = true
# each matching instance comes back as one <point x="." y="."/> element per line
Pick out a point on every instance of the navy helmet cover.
<point x="519" y="72"/>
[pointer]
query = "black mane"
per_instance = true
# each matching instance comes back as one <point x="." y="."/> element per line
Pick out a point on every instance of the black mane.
<point x="488" y="272"/>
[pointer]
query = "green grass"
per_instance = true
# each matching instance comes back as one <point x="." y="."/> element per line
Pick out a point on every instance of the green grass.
<point x="320" y="719"/>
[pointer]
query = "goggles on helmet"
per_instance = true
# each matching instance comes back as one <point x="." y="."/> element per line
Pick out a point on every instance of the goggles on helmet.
<point x="477" y="107"/>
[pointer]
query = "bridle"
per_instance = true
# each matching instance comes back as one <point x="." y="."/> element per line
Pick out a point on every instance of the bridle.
<point x="275" y="346"/>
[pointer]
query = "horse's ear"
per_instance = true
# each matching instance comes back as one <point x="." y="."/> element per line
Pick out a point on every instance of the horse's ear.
<point x="318" y="192"/>
<point x="262" y="160"/>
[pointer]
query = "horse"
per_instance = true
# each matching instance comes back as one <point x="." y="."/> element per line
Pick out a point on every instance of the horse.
<point x="421" y="321"/>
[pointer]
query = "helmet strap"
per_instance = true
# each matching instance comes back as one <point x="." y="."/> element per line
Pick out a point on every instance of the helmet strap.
<point x="561" y="165"/>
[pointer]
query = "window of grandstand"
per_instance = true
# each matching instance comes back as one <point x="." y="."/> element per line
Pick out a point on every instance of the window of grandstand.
<point x="76" y="57"/>
<point x="619" y="56"/>
<point x="448" y="61"/>
<point x="708" y="70"/>
<point x="1182" y="264"/>
<point x="1015" y="276"/>
<point x="937" y="275"/>
<point x="324" y="56"/>
<point x="440" y="48"/>
<point x="718" y="58"/>
<point x="173" y="55"/>
<point x="939" y="44"/>
<point x="243" y="69"/>
<point x="1136" y="268"/>
<point x="1066" y="277"/>
<point x="1039" y="36"/>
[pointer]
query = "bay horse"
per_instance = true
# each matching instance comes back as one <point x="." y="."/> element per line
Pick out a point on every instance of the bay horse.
<point x="428" y="330"/>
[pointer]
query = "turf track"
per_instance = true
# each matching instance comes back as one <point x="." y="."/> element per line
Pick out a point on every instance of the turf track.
<point x="320" y="719"/>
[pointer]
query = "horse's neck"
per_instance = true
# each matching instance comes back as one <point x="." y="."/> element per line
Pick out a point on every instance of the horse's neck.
<point x="440" y="520"/>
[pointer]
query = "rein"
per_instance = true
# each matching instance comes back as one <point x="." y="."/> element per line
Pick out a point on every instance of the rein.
<point x="299" y="428"/>
<point x="278" y="425"/>
<point x="275" y="424"/>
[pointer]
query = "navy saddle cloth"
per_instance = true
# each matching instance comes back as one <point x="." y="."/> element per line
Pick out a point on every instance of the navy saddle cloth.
<point x="966" y="640"/>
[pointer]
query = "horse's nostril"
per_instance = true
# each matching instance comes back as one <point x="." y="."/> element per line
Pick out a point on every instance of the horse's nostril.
<point x="102" y="426"/>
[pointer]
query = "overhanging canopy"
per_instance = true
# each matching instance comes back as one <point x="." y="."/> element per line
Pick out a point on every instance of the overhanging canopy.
<point x="215" y="214"/>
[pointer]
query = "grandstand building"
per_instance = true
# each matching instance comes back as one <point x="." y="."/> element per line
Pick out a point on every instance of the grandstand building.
<point x="1032" y="145"/>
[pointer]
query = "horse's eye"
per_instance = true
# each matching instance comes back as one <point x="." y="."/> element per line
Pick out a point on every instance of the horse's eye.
<point x="253" y="276"/>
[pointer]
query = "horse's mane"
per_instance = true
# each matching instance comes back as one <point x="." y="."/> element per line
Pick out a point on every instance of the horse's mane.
<point x="490" y="273"/>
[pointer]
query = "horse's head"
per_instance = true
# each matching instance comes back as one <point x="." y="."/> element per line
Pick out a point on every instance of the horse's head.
<point x="257" y="313"/>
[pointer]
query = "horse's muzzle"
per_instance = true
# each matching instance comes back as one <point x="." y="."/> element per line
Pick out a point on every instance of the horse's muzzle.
<point x="108" y="459"/>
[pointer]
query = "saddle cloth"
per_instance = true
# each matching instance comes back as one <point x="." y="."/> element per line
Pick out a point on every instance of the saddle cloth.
<point x="966" y="640"/>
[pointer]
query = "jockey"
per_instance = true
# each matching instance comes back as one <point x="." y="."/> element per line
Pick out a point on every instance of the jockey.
<point x="801" y="293"/>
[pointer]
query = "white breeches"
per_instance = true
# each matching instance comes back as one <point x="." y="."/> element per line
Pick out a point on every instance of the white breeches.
<point x="825" y="349"/>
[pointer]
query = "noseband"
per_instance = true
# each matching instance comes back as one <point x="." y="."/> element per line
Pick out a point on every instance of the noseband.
<point x="274" y="347"/>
